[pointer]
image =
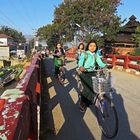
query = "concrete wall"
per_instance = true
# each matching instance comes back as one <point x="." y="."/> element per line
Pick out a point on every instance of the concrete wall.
<point x="4" y="52"/>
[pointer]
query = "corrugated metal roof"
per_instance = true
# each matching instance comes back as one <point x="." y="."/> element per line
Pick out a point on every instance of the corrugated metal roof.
<point x="4" y="36"/>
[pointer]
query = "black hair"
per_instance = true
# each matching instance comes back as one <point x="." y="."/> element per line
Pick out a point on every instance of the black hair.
<point x="92" y="41"/>
<point x="56" y="49"/>
<point x="57" y="44"/>
<point x="80" y="45"/>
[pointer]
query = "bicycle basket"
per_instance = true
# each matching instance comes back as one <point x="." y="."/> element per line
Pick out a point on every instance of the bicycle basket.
<point x="101" y="84"/>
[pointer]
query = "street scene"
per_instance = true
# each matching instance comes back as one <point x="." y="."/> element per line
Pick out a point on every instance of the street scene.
<point x="69" y="70"/>
<point x="73" y="124"/>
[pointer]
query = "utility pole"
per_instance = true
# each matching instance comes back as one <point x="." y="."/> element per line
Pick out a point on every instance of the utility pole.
<point x="36" y="44"/>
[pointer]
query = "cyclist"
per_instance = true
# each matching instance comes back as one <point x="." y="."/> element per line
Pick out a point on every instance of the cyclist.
<point x="89" y="58"/>
<point x="59" y="58"/>
<point x="81" y="48"/>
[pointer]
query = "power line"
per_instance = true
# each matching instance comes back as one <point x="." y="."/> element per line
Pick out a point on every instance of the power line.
<point x="27" y="12"/>
<point x="24" y="16"/>
<point x="5" y="21"/>
<point x="9" y="21"/>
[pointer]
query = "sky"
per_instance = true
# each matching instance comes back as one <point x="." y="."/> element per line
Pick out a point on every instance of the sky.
<point x="28" y="15"/>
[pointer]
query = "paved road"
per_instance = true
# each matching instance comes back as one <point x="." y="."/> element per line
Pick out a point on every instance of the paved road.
<point x="70" y="124"/>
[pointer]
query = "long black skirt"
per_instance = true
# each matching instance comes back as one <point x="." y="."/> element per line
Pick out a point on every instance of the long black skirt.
<point x="87" y="94"/>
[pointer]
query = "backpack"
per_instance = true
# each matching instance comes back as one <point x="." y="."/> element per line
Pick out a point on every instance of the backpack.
<point x="86" y="57"/>
<point x="77" y="55"/>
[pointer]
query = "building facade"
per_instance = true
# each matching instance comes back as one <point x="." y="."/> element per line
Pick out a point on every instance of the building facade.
<point x="124" y="37"/>
<point x="6" y="42"/>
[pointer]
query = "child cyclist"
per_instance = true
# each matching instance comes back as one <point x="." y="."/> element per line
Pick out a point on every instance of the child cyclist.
<point x="59" y="58"/>
<point x="90" y="58"/>
<point x="79" y="51"/>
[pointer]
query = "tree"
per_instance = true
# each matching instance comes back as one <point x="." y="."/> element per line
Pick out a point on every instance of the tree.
<point x="17" y="36"/>
<point x="96" y="18"/>
<point x="50" y="33"/>
<point x="136" y="36"/>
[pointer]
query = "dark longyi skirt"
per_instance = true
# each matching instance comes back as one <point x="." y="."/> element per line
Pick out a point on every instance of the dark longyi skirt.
<point x="87" y="94"/>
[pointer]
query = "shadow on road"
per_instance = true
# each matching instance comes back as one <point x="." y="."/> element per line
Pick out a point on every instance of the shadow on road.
<point x="72" y="126"/>
<point x="69" y="123"/>
<point x="124" y="131"/>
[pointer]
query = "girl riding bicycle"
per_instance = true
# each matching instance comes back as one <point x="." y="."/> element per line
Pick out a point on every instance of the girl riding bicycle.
<point x="89" y="58"/>
<point x="59" y="58"/>
<point x="81" y="48"/>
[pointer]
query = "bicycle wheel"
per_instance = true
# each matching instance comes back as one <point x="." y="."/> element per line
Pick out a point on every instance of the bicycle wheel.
<point x="62" y="76"/>
<point x="80" y="86"/>
<point x="107" y="117"/>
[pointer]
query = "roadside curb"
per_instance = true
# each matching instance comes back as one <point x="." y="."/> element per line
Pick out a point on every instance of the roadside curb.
<point x="133" y="72"/>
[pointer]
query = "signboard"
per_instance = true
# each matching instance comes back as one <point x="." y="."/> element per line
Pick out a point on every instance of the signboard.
<point x="20" y="53"/>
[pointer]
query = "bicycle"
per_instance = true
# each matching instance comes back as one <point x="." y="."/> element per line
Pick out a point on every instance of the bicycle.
<point x="61" y="75"/>
<point x="60" y="63"/>
<point x="103" y="103"/>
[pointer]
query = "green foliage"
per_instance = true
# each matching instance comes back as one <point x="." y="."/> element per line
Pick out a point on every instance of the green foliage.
<point x="136" y="36"/>
<point x="31" y="43"/>
<point x="136" y="52"/>
<point x="51" y="33"/>
<point x="17" y="36"/>
<point x="97" y="18"/>
<point x="17" y="66"/>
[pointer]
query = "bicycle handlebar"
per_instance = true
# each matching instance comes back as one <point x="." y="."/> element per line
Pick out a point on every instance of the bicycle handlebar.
<point x="100" y="69"/>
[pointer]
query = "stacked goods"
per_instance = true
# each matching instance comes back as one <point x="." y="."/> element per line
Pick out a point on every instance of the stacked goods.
<point x="6" y="75"/>
<point x="15" y="71"/>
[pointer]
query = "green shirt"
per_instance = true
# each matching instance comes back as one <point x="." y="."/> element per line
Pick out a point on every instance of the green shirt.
<point x="59" y="61"/>
<point x="89" y="60"/>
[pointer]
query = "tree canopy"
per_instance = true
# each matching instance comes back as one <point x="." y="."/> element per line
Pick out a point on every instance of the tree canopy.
<point x="94" y="18"/>
<point x="17" y="36"/>
<point x="136" y="36"/>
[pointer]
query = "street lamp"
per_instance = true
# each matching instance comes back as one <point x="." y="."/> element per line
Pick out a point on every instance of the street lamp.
<point x="82" y="30"/>
<point x="78" y="25"/>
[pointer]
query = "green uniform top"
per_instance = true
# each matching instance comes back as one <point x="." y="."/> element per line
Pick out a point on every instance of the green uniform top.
<point x="87" y="60"/>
